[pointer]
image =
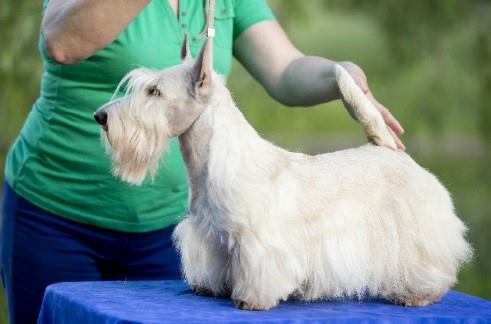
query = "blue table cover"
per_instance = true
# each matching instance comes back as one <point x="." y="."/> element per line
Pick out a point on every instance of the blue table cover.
<point x="172" y="301"/>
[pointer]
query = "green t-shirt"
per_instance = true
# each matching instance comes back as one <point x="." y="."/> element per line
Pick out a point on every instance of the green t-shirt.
<point x="58" y="162"/>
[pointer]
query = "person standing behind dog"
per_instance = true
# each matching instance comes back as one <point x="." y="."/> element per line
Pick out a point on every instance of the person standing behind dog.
<point x="65" y="218"/>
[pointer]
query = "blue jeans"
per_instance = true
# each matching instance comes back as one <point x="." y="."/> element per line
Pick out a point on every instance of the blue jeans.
<point x="38" y="248"/>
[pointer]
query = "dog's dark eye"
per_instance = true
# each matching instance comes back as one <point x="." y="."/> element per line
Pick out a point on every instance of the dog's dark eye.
<point x="153" y="91"/>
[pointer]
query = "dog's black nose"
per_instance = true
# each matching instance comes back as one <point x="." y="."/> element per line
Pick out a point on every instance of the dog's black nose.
<point x="101" y="118"/>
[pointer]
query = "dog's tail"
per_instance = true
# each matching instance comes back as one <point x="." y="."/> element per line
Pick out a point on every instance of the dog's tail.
<point x="362" y="110"/>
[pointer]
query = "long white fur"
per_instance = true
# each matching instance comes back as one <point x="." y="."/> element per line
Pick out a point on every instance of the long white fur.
<point x="266" y="224"/>
<point x="363" y="110"/>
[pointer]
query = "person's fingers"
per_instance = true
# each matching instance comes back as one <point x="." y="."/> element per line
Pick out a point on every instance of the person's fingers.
<point x="361" y="81"/>
<point x="393" y="125"/>
<point x="391" y="121"/>
<point x="400" y="144"/>
<point x="386" y="115"/>
<point x="398" y="141"/>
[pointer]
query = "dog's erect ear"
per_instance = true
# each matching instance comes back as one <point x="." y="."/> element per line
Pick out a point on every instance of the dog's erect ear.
<point x="185" y="50"/>
<point x="201" y="73"/>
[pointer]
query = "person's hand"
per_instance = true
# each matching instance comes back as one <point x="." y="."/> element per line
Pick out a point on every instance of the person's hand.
<point x="361" y="80"/>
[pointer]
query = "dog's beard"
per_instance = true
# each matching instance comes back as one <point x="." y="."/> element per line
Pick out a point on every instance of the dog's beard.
<point x="134" y="150"/>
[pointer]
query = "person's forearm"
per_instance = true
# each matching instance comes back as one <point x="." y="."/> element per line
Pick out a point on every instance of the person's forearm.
<point x="74" y="30"/>
<point x="308" y="81"/>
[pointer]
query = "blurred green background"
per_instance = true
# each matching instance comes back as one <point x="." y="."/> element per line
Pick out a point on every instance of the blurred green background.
<point x="428" y="61"/>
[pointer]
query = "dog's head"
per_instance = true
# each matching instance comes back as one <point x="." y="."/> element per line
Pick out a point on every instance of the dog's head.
<point x="158" y="105"/>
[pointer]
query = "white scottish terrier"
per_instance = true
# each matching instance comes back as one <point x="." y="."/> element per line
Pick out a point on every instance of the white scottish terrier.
<point x="266" y="224"/>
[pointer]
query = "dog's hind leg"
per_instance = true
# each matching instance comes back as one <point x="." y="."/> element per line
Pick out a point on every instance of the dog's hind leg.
<point x="204" y="262"/>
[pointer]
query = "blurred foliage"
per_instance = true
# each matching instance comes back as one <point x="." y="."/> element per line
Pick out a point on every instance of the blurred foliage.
<point x="449" y="30"/>
<point x="428" y="61"/>
<point x="20" y="66"/>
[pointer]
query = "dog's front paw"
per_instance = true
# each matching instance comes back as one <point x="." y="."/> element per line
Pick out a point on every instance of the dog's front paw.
<point x="240" y="304"/>
<point x="202" y="291"/>
<point x="416" y="301"/>
<point x="206" y="292"/>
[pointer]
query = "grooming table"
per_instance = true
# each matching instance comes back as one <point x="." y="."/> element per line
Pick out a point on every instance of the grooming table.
<point x="172" y="301"/>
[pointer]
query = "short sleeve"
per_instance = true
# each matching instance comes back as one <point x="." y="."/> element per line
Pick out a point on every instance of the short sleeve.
<point x="249" y="12"/>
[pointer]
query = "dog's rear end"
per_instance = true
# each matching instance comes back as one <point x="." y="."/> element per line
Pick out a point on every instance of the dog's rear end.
<point x="388" y="230"/>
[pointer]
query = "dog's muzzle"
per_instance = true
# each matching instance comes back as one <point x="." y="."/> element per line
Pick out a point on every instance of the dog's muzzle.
<point x="101" y="118"/>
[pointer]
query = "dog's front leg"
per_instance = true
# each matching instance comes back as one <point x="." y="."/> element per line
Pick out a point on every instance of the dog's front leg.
<point x="204" y="262"/>
<point x="260" y="277"/>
